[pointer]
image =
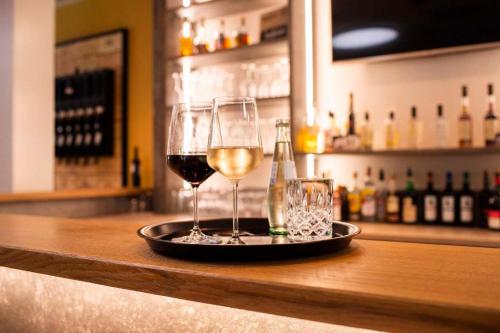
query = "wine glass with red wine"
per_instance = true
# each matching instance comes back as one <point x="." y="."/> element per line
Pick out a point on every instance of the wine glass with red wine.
<point x="187" y="156"/>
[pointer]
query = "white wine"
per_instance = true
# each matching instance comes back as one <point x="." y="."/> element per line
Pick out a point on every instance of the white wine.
<point x="283" y="169"/>
<point x="234" y="162"/>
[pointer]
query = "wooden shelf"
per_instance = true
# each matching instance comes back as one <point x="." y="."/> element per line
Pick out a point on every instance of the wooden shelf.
<point x="278" y="47"/>
<point x="426" y="152"/>
<point x="72" y="194"/>
<point x="218" y="8"/>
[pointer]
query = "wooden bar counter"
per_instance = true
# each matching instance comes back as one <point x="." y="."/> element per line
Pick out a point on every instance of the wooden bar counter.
<point x="391" y="286"/>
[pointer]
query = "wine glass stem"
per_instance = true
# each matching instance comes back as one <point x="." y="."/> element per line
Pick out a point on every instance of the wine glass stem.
<point x="196" y="225"/>
<point x="236" y="232"/>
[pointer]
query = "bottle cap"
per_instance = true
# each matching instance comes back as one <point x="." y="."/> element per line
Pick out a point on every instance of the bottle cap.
<point x="391" y="114"/>
<point x="282" y="122"/>
<point x="367" y="116"/>
<point x="440" y="110"/>
<point x="381" y="174"/>
<point x="409" y="172"/>
<point x="464" y="91"/>
<point x="414" y="112"/>
<point x="490" y="88"/>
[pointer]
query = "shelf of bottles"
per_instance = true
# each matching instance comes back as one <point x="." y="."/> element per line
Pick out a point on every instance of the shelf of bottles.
<point x="380" y="201"/>
<point x="327" y="137"/>
<point x="84" y="114"/>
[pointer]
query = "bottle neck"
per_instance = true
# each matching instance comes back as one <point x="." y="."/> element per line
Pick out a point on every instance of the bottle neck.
<point x="283" y="133"/>
<point x="465" y="104"/>
<point x="491" y="104"/>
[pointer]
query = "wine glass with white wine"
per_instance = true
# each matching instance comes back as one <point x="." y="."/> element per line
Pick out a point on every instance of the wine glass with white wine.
<point x="234" y="144"/>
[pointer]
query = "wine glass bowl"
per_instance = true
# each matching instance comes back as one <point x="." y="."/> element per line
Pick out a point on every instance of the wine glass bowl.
<point x="187" y="156"/>
<point x="234" y="156"/>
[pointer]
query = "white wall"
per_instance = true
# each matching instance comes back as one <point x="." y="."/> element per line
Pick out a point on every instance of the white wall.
<point x="423" y="82"/>
<point x="28" y="114"/>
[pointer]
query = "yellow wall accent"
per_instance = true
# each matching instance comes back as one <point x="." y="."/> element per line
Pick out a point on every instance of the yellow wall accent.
<point x="94" y="16"/>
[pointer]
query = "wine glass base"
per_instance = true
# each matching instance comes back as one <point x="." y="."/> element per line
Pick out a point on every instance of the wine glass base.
<point x="198" y="237"/>
<point x="235" y="240"/>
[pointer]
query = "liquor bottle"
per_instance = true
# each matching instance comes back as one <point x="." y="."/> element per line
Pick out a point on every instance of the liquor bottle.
<point x="391" y="132"/>
<point x="331" y="133"/>
<point x="200" y="43"/>
<point x="242" y="38"/>
<point x="381" y="194"/>
<point x="494" y="205"/>
<point x="392" y="207"/>
<point x="351" y="122"/>
<point x="344" y="214"/>
<point x="337" y="205"/>
<point x="409" y="212"/>
<point x="366" y="133"/>
<point x="311" y="138"/>
<point x="135" y="169"/>
<point x="186" y="39"/>
<point x="465" y="200"/>
<point x="441" y="135"/>
<point x="283" y="168"/>
<point x="482" y="202"/>
<point x="368" y="207"/>
<point x="448" y="213"/>
<point x="430" y="209"/>
<point x="465" y="122"/>
<point x="414" y="130"/>
<point x="490" y="120"/>
<point x="221" y="38"/>
<point x="354" y="198"/>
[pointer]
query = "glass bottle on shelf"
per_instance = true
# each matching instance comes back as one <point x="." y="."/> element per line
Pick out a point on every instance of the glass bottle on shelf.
<point x="242" y="37"/>
<point x="392" y="208"/>
<point x="351" y="119"/>
<point x="368" y="198"/>
<point x="310" y="138"/>
<point x="448" y="213"/>
<point x="332" y="132"/>
<point x="441" y="135"/>
<point x="391" y="132"/>
<point x="200" y="43"/>
<point x="465" y="201"/>
<point x="409" y="200"/>
<point x="221" y="43"/>
<point x="490" y="120"/>
<point x="186" y="39"/>
<point x="366" y="133"/>
<point x="381" y="194"/>
<point x="494" y="206"/>
<point x="354" y="198"/>
<point x="484" y="195"/>
<point x="414" y="130"/>
<point x="429" y="204"/>
<point x="283" y="168"/>
<point x="465" y="122"/>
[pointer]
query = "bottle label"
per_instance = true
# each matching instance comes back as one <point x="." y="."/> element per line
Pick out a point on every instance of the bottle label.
<point x="288" y="171"/>
<point x="465" y="130"/>
<point x="354" y="202"/>
<point x="448" y="209"/>
<point x="493" y="219"/>
<point x="490" y="129"/>
<point x="368" y="207"/>
<point x="392" y="204"/>
<point x="430" y="208"/>
<point x="409" y="211"/>
<point x="466" y="208"/>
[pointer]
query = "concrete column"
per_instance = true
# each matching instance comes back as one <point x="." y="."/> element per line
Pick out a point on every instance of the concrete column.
<point x="27" y="95"/>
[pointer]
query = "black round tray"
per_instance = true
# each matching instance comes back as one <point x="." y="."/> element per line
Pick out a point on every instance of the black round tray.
<point x="254" y="232"/>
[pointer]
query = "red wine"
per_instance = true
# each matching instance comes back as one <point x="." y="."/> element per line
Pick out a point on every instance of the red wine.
<point x="192" y="168"/>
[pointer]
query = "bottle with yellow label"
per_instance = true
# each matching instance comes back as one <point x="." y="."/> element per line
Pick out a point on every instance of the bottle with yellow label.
<point x="368" y="198"/>
<point x="354" y="198"/>
<point x="391" y="132"/>
<point x="186" y="39"/>
<point x="490" y="120"/>
<point x="465" y="122"/>
<point x="392" y="204"/>
<point x="311" y="138"/>
<point x="409" y="200"/>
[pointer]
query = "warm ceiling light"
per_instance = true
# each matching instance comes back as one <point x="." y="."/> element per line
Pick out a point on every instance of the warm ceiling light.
<point x="364" y="38"/>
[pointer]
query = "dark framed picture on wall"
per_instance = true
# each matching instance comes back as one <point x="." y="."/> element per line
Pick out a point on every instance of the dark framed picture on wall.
<point x="91" y="87"/>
